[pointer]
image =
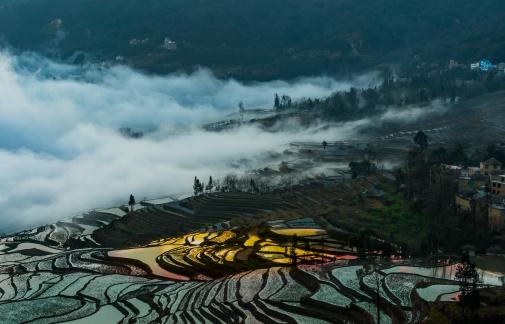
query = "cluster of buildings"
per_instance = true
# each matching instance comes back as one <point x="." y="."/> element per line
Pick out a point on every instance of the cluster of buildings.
<point x="482" y="65"/>
<point x="481" y="193"/>
<point x="167" y="43"/>
<point x="486" y="65"/>
<point x="138" y="42"/>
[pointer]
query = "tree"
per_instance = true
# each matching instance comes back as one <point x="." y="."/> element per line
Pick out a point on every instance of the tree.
<point x="399" y="177"/>
<point x="131" y="202"/>
<point x="253" y="186"/>
<point x="230" y="182"/>
<point x="323" y="257"/>
<point x="439" y="156"/>
<point x="458" y="154"/>
<point x="197" y="186"/>
<point x="421" y="139"/>
<point x="387" y="77"/>
<point x="325" y="144"/>
<point x="210" y="184"/>
<point x="277" y="102"/>
<point x="352" y="98"/>
<point x="468" y="279"/>
<point x="371" y="268"/>
<point x="241" y="107"/>
<point x="364" y="167"/>
<point x="293" y="255"/>
<point x="285" y="102"/>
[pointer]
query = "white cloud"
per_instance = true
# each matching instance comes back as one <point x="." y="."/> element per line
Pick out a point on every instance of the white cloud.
<point x="60" y="152"/>
<point x="413" y="113"/>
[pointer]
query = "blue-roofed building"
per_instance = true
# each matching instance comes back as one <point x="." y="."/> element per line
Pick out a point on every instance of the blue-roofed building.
<point x="485" y="65"/>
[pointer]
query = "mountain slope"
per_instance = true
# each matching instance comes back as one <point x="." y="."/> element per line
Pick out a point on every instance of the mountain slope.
<point x="260" y="39"/>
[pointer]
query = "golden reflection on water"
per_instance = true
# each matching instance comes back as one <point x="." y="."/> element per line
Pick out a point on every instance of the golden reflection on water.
<point x="148" y="256"/>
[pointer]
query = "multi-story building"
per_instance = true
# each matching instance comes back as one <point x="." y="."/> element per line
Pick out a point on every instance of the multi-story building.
<point x="490" y="166"/>
<point x="497" y="187"/>
<point x="473" y="171"/>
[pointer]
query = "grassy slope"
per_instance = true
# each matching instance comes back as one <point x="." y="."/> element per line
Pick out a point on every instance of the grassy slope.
<point x="389" y="217"/>
<point x="396" y="221"/>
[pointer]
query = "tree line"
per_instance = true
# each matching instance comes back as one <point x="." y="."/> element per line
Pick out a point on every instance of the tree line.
<point x="430" y="190"/>
<point x="414" y="84"/>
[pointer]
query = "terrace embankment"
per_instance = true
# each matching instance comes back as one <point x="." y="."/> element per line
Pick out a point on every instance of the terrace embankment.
<point x="471" y="123"/>
<point x="212" y="254"/>
<point x="343" y="208"/>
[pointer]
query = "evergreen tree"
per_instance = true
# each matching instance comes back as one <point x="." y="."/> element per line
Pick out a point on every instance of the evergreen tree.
<point x="131" y="202"/>
<point x="352" y="98"/>
<point x="210" y="185"/>
<point x="421" y="139"/>
<point x="196" y="186"/>
<point x="285" y="102"/>
<point x="277" y="102"/>
<point x="468" y="279"/>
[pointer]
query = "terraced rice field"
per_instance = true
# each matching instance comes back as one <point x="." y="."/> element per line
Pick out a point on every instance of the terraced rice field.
<point x="86" y="286"/>
<point x="75" y="231"/>
<point x="211" y="275"/>
<point x="216" y="253"/>
<point x="300" y="232"/>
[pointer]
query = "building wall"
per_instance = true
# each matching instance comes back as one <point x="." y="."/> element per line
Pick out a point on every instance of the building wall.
<point x="473" y="171"/>
<point x="494" y="177"/>
<point x="496" y="219"/>
<point x="485" y="168"/>
<point x="463" y="203"/>
<point x="498" y="188"/>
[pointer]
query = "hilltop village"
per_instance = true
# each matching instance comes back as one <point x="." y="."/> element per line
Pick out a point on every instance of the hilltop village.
<point x="481" y="193"/>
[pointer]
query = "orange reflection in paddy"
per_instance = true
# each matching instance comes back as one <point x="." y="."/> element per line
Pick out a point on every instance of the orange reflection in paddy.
<point x="148" y="256"/>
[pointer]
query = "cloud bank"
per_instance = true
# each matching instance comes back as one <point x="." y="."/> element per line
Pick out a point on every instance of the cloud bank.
<point x="61" y="153"/>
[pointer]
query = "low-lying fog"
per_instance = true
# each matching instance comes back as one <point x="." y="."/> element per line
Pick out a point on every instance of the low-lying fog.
<point x="61" y="153"/>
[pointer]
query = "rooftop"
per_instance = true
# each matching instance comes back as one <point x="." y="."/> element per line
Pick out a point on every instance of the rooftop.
<point x="492" y="161"/>
<point x="500" y="207"/>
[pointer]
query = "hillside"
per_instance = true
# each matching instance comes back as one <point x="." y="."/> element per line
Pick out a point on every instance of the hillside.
<point x="287" y="270"/>
<point x="258" y="39"/>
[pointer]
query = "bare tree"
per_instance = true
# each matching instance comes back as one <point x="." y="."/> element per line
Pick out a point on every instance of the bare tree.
<point x="371" y="268"/>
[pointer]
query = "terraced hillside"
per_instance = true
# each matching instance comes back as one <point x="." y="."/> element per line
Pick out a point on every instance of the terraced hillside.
<point x="80" y="285"/>
<point x="213" y="254"/>
<point x="250" y="259"/>
<point x="205" y="211"/>
<point x="339" y="205"/>
<point x="472" y="123"/>
<point x="170" y="281"/>
<point x="76" y="229"/>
